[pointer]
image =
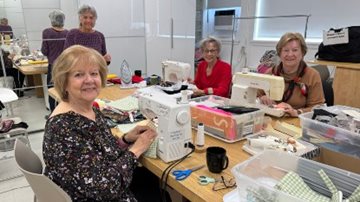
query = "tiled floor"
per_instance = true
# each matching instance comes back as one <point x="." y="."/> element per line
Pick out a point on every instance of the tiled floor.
<point x="32" y="110"/>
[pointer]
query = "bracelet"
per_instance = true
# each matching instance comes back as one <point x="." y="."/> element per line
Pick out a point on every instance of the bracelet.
<point x="124" y="140"/>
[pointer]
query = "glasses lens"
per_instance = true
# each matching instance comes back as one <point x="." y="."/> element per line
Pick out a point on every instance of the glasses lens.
<point x="210" y="51"/>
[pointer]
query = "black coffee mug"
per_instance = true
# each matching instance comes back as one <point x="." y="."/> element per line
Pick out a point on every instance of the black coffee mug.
<point x="216" y="159"/>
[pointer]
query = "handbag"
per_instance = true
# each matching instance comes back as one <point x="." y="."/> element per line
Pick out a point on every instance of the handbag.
<point x="344" y="52"/>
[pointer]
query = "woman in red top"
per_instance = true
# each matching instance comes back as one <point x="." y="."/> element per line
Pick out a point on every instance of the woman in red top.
<point x="213" y="75"/>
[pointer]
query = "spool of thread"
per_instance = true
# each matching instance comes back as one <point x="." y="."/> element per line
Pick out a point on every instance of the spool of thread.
<point x="200" y="139"/>
<point x="184" y="97"/>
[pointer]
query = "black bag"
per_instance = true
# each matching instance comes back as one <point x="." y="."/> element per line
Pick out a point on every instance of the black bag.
<point x="349" y="52"/>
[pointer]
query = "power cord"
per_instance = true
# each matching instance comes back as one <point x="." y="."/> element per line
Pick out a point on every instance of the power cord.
<point x="165" y="174"/>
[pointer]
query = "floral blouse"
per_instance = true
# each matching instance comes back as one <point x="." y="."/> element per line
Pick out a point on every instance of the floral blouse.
<point x="84" y="159"/>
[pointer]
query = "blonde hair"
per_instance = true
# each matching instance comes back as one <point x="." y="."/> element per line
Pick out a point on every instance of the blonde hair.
<point x="69" y="58"/>
<point x="291" y="36"/>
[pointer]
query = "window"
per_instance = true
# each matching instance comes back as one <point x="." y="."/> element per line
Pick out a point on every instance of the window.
<point x="324" y="15"/>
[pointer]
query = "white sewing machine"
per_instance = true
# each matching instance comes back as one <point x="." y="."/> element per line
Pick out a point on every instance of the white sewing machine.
<point x="174" y="71"/>
<point x="245" y="86"/>
<point x="174" y="124"/>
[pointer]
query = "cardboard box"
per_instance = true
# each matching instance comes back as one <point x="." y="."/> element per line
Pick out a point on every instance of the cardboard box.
<point x="221" y="124"/>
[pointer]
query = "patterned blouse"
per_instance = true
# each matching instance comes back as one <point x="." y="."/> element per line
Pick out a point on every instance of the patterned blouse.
<point x="84" y="159"/>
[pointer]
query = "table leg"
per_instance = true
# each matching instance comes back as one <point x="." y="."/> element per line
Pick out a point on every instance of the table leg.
<point x="45" y="90"/>
<point x="38" y="83"/>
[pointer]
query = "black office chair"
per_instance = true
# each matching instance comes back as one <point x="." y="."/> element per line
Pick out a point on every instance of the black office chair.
<point x="326" y="83"/>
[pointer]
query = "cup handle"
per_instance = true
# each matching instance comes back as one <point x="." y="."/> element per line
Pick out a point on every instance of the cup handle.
<point x="226" y="163"/>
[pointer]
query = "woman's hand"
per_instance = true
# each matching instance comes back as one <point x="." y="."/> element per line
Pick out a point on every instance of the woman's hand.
<point x="266" y="100"/>
<point x="107" y="57"/>
<point x="198" y="92"/>
<point x="288" y="109"/>
<point x="134" y="134"/>
<point x="143" y="142"/>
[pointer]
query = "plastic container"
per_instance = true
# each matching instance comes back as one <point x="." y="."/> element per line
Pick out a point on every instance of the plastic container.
<point x="303" y="149"/>
<point x="257" y="176"/>
<point x="328" y="136"/>
<point x="224" y="125"/>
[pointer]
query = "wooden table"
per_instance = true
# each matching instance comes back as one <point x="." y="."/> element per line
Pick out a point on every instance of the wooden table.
<point x="189" y="188"/>
<point x="346" y="88"/>
<point x="37" y="72"/>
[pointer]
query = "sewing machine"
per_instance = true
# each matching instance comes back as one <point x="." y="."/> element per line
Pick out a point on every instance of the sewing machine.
<point x="174" y="71"/>
<point x="173" y="126"/>
<point x="246" y="84"/>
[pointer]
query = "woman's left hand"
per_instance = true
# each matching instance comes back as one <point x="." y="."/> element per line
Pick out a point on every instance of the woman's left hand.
<point x="287" y="109"/>
<point x="134" y="134"/>
<point x="107" y="57"/>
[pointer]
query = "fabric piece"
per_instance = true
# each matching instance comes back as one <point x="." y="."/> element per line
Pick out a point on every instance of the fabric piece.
<point x="219" y="79"/>
<point x="6" y="125"/>
<point x="84" y="158"/>
<point x="293" y="184"/>
<point x="151" y="152"/>
<point x="355" y="196"/>
<point x="128" y="103"/>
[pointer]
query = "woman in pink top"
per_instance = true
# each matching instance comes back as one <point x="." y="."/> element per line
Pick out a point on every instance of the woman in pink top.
<point x="213" y="76"/>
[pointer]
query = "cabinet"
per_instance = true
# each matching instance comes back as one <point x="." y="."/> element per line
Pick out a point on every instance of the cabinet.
<point x="345" y="84"/>
<point x="170" y="32"/>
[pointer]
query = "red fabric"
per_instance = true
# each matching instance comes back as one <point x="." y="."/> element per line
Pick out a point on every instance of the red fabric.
<point x="219" y="79"/>
<point x="136" y="79"/>
<point x="115" y="80"/>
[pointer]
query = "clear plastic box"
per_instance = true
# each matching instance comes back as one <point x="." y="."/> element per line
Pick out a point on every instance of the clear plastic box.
<point x="328" y="136"/>
<point x="257" y="176"/>
<point x="224" y="125"/>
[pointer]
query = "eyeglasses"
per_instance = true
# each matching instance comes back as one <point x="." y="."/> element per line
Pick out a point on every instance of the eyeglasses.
<point x="224" y="183"/>
<point x="210" y="51"/>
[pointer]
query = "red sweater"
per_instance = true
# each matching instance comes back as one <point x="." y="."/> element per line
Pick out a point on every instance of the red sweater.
<point x="219" y="79"/>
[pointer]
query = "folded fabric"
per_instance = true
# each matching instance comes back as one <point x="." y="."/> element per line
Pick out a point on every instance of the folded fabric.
<point x="6" y="125"/>
<point x="293" y="184"/>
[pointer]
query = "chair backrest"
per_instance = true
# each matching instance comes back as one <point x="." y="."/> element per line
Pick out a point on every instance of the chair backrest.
<point x="323" y="71"/>
<point x="31" y="166"/>
<point x="326" y="83"/>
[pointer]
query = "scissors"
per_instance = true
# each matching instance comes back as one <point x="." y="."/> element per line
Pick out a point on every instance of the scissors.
<point x="182" y="174"/>
<point x="203" y="180"/>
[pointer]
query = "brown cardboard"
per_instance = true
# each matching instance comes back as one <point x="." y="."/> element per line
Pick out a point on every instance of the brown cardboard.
<point x="340" y="160"/>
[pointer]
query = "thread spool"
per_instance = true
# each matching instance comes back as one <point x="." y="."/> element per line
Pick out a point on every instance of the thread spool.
<point x="184" y="97"/>
<point x="200" y="139"/>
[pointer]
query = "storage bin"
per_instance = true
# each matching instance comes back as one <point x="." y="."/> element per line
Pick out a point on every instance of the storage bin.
<point x="224" y="125"/>
<point x="328" y="136"/>
<point x="257" y="176"/>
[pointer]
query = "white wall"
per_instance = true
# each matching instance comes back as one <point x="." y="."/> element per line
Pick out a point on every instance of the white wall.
<point x="122" y="23"/>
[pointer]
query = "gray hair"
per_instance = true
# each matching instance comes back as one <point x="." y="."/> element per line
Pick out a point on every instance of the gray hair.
<point x="3" y="21"/>
<point x="57" y="18"/>
<point x="210" y="39"/>
<point x="86" y="8"/>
